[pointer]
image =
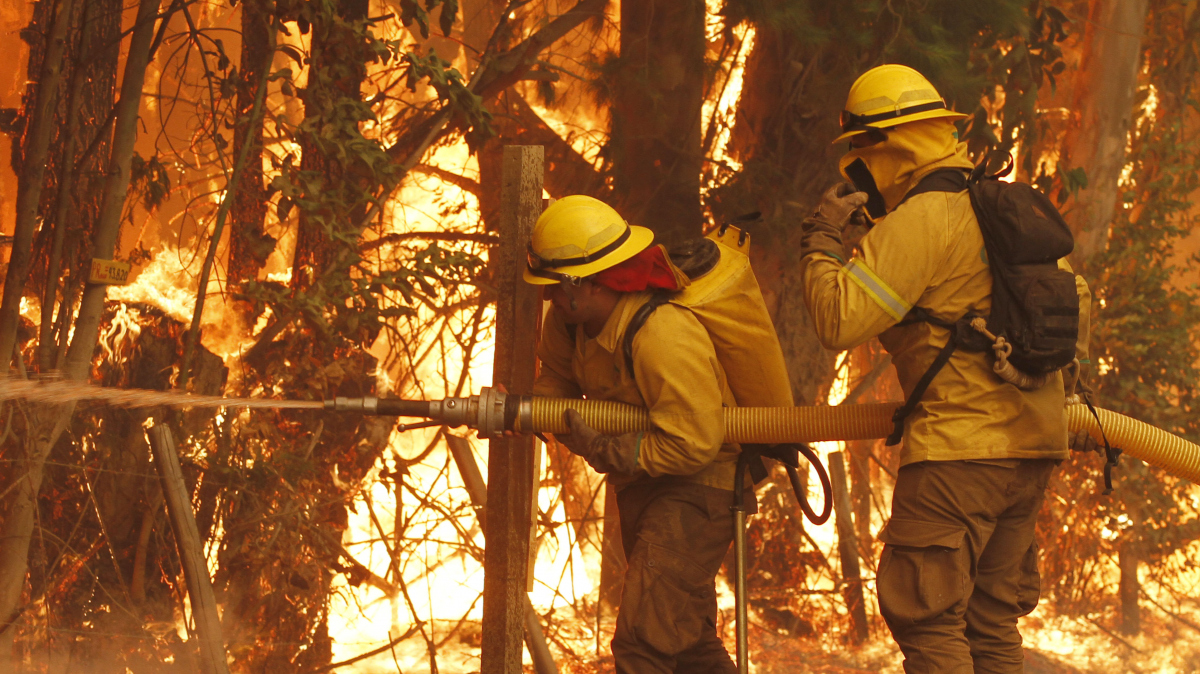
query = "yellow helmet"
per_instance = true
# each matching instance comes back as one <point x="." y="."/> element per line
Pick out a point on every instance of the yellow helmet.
<point x="888" y="95"/>
<point x="578" y="236"/>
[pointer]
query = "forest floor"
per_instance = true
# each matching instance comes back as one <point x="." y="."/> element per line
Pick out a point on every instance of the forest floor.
<point x="1053" y="646"/>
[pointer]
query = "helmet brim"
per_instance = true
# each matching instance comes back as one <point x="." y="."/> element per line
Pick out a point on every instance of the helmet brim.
<point x="639" y="239"/>
<point x="915" y="117"/>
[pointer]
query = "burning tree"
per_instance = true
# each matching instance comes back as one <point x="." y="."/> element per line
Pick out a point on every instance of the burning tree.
<point x="307" y="192"/>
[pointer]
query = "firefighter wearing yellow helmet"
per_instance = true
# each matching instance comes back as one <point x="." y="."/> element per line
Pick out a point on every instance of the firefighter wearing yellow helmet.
<point x="673" y="482"/>
<point x="960" y="561"/>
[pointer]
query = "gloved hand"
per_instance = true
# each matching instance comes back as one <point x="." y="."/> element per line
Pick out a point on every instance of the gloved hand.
<point x="604" y="453"/>
<point x="1082" y="441"/>
<point x="823" y="229"/>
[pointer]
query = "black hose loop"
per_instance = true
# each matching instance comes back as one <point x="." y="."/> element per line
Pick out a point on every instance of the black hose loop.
<point x="798" y="488"/>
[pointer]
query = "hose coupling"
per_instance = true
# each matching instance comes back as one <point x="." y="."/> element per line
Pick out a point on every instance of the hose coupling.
<point x="364" y="405"/>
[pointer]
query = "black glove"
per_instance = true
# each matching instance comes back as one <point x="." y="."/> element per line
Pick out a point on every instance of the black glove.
<point x="823" y="229"/>
<point x="604" y="453"/>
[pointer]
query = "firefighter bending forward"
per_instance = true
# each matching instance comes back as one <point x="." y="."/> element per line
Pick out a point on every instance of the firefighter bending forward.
<point x="674" y="481"/>
<point x="959" y="564"/>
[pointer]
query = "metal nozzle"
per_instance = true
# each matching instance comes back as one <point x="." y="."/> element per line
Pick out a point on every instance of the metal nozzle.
<point x="487" y="412"/>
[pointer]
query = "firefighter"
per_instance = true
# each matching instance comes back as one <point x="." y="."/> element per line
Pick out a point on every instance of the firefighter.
<point x="959" y="565"/>
<point x="674" y="481"/>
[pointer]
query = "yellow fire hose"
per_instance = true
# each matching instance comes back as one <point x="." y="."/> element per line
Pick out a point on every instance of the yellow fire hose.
<point x="770" y="425"/>
<point x="491" y="412"/>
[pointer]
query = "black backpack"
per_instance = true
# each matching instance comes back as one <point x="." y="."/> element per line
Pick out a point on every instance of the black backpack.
<point x="1035" y="305"/>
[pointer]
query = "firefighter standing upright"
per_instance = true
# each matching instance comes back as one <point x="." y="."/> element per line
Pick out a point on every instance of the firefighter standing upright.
<point x="960" y="561"/>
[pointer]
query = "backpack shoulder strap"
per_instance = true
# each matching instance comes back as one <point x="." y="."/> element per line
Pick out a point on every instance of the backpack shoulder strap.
<point x="919" y="390"/>
<point x="941" y="180"/>
<point x="639" y="319"/>
<point x="920" y="315"/>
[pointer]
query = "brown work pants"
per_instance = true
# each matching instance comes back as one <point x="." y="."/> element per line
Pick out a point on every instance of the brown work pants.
<point x="675" y="535"/>
<point x="960" y="563"/>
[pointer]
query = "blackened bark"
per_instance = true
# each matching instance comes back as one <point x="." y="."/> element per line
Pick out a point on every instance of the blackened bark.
<point x="249" y="244"/>
<point x="38" y="134"/>
<point x="657" y="94"/>
<point x="314" y="247"/>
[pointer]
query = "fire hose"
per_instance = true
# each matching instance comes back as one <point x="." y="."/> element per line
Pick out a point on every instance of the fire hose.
<point x="492" y="412"/>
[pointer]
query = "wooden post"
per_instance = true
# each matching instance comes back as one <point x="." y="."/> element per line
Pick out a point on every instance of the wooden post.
<point x="191" y="551"/>
<point x="510" y="460"/>
<point x="612" y="558"/>
<point x="858" y="451"/>
<point x="535" y="638"/>
<point x="852" y="585"/>
<point x="535" y="483"/>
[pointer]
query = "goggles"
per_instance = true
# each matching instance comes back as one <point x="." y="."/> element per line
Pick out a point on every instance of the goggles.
<point x="557" y="276"/>
<point x="544" y="267"/>
<point x="853" y="122"/>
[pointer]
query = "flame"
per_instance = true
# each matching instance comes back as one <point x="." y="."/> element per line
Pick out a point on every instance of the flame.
<point x="838" y="390"/>
<point x="722" y="110"/>
<point x="31" y="310"/>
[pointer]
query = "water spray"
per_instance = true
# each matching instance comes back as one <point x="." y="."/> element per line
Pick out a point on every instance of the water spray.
<point x="55" y="391"/>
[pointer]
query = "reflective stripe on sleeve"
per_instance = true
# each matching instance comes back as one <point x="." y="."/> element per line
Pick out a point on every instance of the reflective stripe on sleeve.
<point x="872" y="285"/>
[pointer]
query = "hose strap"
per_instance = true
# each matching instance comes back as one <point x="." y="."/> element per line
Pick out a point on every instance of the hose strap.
<point x="640" y="316"/>
<point x="789" y="455"/>
<point x="919" y="390"/>
<point x="1111" y="454"/>
<point x="826" y="487"/>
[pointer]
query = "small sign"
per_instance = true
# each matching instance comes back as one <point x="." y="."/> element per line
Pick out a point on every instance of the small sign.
<point x="109" y="272"/>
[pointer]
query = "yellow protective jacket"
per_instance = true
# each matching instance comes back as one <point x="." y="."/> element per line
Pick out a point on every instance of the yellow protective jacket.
<point x="929" y="252"/>
<point x="676" y="376"/>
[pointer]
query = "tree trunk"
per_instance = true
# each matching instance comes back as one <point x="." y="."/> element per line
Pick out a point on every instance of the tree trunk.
<point x="657" y="95"/>
<point x="1104" y="93"/>
<point x="249" y="245"/>
<point x="91" y="306"/>
<point x="66" y="182"/>
<point x="852" y="585"/>
<point x="314" y="246"/>
<point x="33" y="172"/>
<point x="1129" y="555"/>
<point x="1127" y="560"/>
